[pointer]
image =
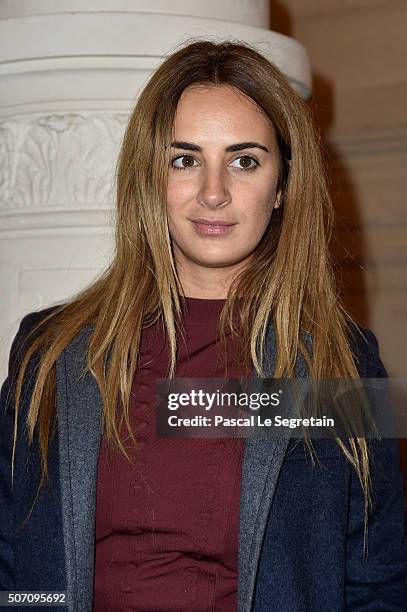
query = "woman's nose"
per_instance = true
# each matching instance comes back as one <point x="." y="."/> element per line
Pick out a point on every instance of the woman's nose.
<point x="214" y="191"/>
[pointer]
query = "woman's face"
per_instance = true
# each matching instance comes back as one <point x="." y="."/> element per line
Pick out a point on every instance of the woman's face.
<point x="224" y="170"/>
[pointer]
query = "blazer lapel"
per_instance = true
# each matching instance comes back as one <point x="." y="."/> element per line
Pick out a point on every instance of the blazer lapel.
<point x="262" y="461"/>
<point x="79" y="410"/>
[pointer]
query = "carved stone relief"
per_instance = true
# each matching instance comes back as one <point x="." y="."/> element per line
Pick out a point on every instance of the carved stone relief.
<point x="59" y="160"/>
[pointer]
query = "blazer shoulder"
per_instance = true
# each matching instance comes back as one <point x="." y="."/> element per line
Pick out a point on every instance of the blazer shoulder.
<point x="25" y="334"/>
<point x="31" y="319"/>
<point x="19" y="345"/>
<point x="365" y="348"/>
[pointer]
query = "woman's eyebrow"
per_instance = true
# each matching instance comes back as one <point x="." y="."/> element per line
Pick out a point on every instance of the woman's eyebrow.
<point x="189" y="146"/>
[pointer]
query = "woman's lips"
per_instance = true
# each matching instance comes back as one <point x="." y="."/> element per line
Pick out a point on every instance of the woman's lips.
<point x="211" y="229"/>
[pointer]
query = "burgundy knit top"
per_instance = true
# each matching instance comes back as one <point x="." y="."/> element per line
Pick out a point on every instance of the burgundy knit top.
<point x="167" y="526"/>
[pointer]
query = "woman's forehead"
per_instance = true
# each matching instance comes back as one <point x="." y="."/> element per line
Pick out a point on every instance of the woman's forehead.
<point x="220" y="112"/>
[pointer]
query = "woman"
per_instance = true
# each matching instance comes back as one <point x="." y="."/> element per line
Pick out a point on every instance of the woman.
<point x="221" y="268"/>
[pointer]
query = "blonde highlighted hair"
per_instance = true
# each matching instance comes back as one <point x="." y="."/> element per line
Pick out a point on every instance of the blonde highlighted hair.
<point x="288" y="281"/>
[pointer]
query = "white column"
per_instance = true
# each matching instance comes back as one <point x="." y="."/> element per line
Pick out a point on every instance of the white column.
<point x="70" y="72"/>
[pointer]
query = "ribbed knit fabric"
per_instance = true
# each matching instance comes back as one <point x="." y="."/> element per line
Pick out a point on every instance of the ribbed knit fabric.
<point x="167" y="526"/>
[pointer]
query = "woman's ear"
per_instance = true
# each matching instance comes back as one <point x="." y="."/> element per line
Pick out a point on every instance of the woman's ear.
<point x="277" y="203"/>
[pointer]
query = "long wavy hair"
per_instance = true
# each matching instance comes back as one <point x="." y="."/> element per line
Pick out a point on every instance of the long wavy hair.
<point x="288" y="281"/>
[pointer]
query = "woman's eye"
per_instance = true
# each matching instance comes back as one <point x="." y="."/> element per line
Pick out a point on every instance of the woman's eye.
<point x="181" y="165"/>
<point x="247" y="165"/>
<point x="184" y="162"/>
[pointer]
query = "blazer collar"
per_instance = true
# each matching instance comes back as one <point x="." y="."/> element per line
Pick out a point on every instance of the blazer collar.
<point x="79" y="414"/>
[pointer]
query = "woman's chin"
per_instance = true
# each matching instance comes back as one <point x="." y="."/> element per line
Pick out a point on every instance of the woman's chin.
<point x="218" y="260"/>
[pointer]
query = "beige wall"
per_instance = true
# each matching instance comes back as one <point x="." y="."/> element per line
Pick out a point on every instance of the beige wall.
<point x="358" y="53"/>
